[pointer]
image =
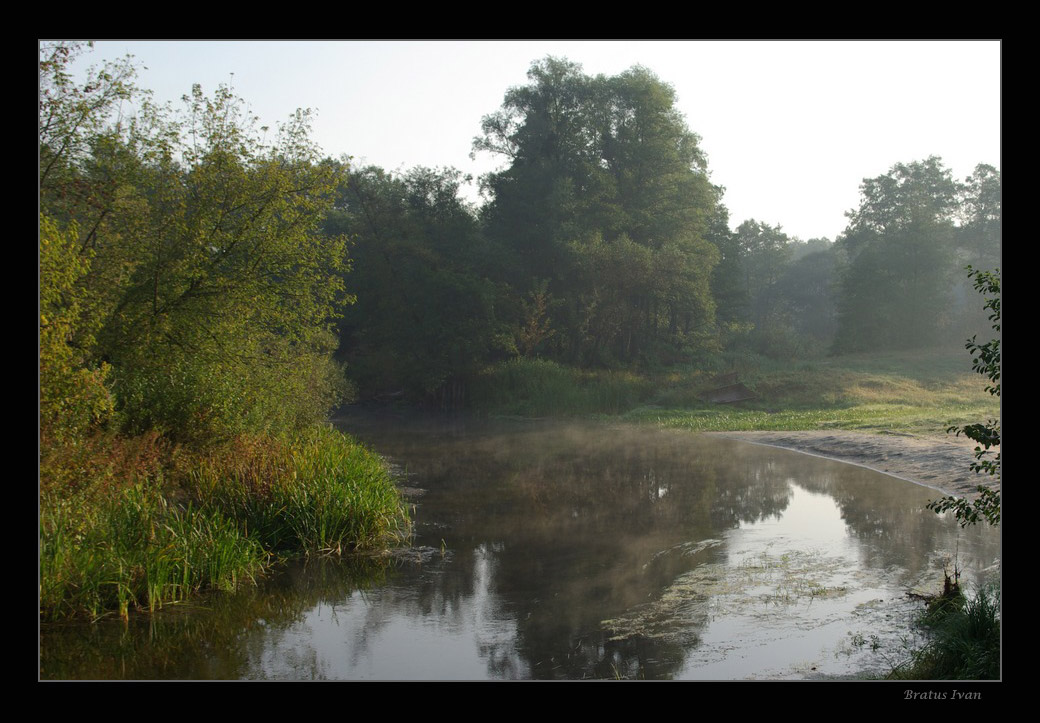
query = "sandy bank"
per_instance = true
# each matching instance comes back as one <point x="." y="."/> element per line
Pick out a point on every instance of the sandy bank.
<point x="938" y="462"/>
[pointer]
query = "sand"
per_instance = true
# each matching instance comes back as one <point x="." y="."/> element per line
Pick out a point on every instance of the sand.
<point x="941" y="463"/>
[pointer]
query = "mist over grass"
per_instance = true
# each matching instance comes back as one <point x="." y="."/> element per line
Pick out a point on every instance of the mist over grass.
<point x="920" y="391"/>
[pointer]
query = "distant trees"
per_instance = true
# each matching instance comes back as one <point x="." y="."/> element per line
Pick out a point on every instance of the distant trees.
<point x="914" y="228"/>
<point x="194" y="275"/>
<point x="895" y="289"/>
<point x="425" y="317"/>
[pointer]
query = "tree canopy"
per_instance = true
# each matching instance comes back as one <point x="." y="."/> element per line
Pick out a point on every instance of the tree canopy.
<point x="900" y="246"/>
<point x="200" y="271"/>
<point x="606" y="200"/>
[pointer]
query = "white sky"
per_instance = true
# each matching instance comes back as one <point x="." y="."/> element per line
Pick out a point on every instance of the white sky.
<point x="790" y="128"/>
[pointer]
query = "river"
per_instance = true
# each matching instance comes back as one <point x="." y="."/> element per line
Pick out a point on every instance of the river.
<point x="551" y="550"/>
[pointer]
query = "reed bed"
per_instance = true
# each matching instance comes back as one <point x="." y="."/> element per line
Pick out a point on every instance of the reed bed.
<point x="130" y="546"/>
<point x="323" y="493"/>
<point x="135" y="550"/>
<point x="537" y="388"/>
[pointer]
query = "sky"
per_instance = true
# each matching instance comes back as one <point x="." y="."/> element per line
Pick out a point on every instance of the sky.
<point x="790" y="128"/>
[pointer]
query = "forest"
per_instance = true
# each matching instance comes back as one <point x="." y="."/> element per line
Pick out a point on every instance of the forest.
<point x="210" y="290"/>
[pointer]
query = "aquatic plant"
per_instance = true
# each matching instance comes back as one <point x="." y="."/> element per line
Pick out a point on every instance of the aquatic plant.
<point x="322" y="492"/>
<point x="113" y="544"/>
<point x="136" y="550"/>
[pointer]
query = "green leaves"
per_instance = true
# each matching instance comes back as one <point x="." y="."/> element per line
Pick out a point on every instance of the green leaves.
<point x="900" y="246"/>
<point x="985" y="361"/>
<point x="607" y="197"/>
<point x="74" y="395"/>
<point x="214" y="288"/>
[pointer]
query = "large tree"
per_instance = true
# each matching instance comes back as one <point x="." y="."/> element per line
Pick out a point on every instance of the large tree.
<point x="900" y="243"/>
<point x="606" y="205"/>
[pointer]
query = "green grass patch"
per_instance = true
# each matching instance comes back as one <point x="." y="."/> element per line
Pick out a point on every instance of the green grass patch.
<point x="323" y="492"/>
<point x="135" y="550"/>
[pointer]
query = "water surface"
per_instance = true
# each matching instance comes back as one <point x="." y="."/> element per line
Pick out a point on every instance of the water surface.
<point x="548" y="550"/>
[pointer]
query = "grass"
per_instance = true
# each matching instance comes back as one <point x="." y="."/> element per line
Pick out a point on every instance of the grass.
<point x="215" y="519"/>
<point x="538" y="388"/>
<point x="963" y="641"/>
<point x="323" y="493"/>
<point x="135" y="550"/>
<point x="920" y="392"/>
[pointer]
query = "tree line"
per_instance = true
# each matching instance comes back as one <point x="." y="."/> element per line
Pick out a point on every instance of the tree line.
<point x="203" y="276"/>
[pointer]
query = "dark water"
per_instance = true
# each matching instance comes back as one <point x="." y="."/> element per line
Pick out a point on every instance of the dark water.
<point x="558" y="551"/>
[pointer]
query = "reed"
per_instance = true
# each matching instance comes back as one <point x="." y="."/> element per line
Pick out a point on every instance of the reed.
<point x="135" y="550"/>
<point x="322" y="492"/>
<point x="536" y="387"/>
<point x="125" y="546"/>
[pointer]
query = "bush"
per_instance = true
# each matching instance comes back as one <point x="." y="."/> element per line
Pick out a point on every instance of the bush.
<point x="536" y="387"/>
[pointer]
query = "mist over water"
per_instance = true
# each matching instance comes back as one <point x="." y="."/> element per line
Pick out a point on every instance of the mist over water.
<point x="567" y="551"/>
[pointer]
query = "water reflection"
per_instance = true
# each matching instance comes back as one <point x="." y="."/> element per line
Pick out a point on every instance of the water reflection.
<point x="558" y="551"/>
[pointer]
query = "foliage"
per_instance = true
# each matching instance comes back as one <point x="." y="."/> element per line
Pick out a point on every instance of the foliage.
<point x="187" y="293"/>
<point x="320" y="492"/>
<point x="426" y="313"/>
<point x="900" y="250"/>
<point x="606" y="197"/>
<point x="540" y="387"/>
<point x="151" y="533"/>
<point x="914" y="392"/>
<point x="981" y="217"/>
<point x="201" y="262"/>
<point x="985" y="361"/>
<point x="136" y="550"/>
<point x="74" y="117"/>
<point x="74" y="396"/>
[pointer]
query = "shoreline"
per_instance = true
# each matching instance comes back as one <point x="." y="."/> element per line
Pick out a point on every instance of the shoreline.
<point x="940" y="463"/>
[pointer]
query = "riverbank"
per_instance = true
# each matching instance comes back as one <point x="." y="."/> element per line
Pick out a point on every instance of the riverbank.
<point x="942" y="463"/>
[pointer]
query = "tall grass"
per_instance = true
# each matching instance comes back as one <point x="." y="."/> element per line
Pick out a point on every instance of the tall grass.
<point x="320" y="493"/>
<point x="135" y="550"/>
<point x="916" y="391"/>
<point x="963" y="642"/>
<point x="117" y="545"/>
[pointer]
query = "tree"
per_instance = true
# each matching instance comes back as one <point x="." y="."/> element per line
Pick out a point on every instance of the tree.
<point x="981" y="218"/>
<point x="806" y="289"/>
<point x="606" y="197"/>
<point x="425" y="318"/>
<point x="985" y="361"/>
<point x="900" y="249"/>
<point x="74" y="393"/>
<point x="212" y="288"/>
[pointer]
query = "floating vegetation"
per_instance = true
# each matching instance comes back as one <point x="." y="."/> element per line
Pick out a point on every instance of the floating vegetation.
<point x="752" y="587"/>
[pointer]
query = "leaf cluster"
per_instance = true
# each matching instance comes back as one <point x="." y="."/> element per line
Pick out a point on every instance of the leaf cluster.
<point x="985" y="361"/>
